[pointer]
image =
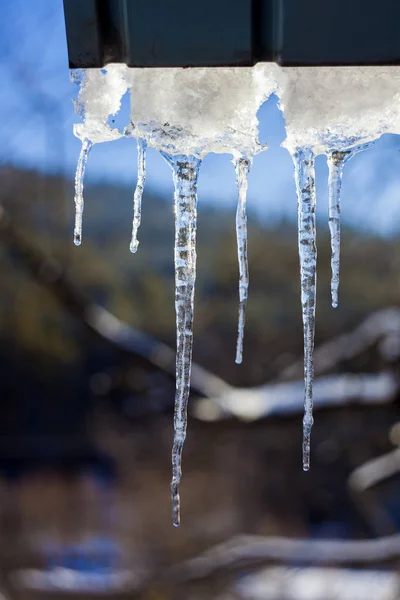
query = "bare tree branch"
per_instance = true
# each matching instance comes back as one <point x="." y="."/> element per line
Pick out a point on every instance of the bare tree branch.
<point x="380" y="326"/>
<point x="255" y="550"/>
<point x="100" y="322"/>
<point x="285" y="399"/>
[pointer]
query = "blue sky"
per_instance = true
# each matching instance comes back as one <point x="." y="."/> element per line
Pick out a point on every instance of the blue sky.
<point x="36" y="131"/>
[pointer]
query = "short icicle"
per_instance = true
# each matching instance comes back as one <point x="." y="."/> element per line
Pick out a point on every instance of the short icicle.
<point x="185" y="171"/>
<point x="137" y="198"/>
<point x="305" y="185"/>
<point x="79" y="178"/>
<point x="242" y="167"/>
<point x="336" y="162"/>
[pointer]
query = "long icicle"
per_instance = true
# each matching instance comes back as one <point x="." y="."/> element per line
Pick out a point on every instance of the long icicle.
<point x="137" y="198"/>
<point x="242" y="167"/>
<point x="305" y="184"/>
<point x="336" y="161"/>
<point x="185" y="171"/>
<point x="79" y="178"/>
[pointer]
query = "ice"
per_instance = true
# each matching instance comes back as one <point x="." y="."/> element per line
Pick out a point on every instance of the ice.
<point x="188" y="113"/>
<point x="303" y="160"/>
<point x="137" y="199"/>
<point x="242" y="167"/>
<point x="336" y="162"/>
<point x="185" y="171"/>
<point x="79" y="178"/>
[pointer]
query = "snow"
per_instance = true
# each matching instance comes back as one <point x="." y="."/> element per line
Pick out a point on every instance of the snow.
<point x="335" y="108"/>
<point x="202" y="110"/>
<point x="99" y="97"/>
<point x="197" y="111"/>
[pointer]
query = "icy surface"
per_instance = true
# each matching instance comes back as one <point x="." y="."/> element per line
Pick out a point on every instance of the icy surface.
<point x="305" y="185"/>
<point x="137" y="198"/>
<point x="185" y="171"/>
<point x="242" y="167"/>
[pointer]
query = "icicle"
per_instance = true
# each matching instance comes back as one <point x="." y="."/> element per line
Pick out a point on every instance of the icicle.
<point x="185" y="170"/>
<point x="137" y="198"/>
<point x="242" y="167"/>
<point x="305" y="184"/>
<point x="79" y="177"/>
<point x="336" y="161"/>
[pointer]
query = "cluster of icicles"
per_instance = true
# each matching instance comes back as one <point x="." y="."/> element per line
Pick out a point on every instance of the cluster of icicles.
<point x="185" y="169"/>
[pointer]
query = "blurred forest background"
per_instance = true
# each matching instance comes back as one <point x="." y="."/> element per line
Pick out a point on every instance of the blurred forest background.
<point x="86" y="420"/>
<point x="86" y="429"/>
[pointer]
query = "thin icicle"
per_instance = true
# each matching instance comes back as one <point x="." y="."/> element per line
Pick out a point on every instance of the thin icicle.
<point x="79" y="177"/>
<point x="305" y="185"/>
<point x="242" y="167"/>
<point x="185" y="171"/>
<point x="137" y="198"/>
<point x="336" y="161"/>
